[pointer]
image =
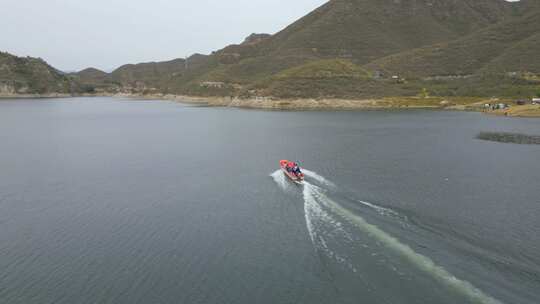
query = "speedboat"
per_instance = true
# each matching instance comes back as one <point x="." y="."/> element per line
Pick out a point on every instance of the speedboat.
<point x="287" y="168"/>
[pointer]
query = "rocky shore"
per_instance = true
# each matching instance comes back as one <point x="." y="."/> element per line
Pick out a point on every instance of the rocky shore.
<point x="315" y="104"/>
<point x="387" y="103"/>
<point x="476" y="104"/>
<point x="519" y="111"/>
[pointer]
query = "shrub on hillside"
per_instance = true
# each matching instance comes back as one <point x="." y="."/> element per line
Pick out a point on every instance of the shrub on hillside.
<point x="90" y="89"/>
<point x="424" y="93"/>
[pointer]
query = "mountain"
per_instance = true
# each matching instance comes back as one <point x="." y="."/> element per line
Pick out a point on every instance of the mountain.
<point x="510" y="46"/>
<point x="358" y="31"/>
<point x="27" y="75"/>
<point x="361" y="31"/>
<point x="368" y="29"/>
<point x="93" y="80"/>
<point x="92" y="75"/>
<point x="149" y="76"/>
<point x="150" y="73"/>
<point x="352" y="49"/>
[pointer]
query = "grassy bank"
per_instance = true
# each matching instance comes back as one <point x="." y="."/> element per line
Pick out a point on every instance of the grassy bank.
<point x="519" y="111"/>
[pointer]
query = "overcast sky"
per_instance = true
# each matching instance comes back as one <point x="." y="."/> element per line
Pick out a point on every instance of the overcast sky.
<point x="75" y="34"/>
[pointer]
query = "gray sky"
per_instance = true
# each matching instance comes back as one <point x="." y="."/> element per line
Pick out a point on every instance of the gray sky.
<point x="75" y="34"/>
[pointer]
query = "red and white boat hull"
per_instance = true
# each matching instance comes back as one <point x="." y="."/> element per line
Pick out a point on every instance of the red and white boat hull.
<point x="295" y="178"/>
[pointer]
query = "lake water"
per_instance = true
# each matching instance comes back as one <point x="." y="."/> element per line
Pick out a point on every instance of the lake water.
<point x="130" y="201"/>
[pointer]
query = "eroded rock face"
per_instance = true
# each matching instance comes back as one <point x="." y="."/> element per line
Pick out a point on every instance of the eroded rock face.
<point x="6" y="89"/>
<point x="256" y="38"/>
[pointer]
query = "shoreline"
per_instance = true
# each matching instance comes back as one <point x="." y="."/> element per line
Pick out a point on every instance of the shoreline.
<point x="471" y="104"/>
<point x="311" y="104"/>
<point x="37" y="96"/>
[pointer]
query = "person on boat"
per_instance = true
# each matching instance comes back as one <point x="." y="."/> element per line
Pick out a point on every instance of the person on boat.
<point x="296" y="169"/>
<point x="288" y="167"/>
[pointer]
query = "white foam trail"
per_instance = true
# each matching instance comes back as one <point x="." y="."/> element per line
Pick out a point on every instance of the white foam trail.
<point x="313" y="196"/>
<point x="314" y="212"/>
<point x="379" y="209"/>
<point x="318" y="178"/>
<point x="324" y="181"/>
<point x="280" y="179"/>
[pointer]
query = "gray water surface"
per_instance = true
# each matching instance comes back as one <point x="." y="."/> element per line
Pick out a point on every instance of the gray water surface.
<point x="129" y="201"/>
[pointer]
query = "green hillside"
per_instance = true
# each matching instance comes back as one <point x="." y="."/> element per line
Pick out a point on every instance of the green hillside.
<point x="368" y="29"/>
<point x="521" y="56"/>
<point x="150" y="73"/>
<point x="93" y="81"/>
<point x="506" y="47"/>
<point x="320" y="78"/>
<point x="360" y="31"/>
<point x="27" y="75"/>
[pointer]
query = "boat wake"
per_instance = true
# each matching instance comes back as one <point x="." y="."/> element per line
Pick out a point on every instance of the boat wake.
<point x="328" y="224"/>
<point x="280" y="179"/>
<point x="319" y="178"/>
<point x="322" y="225"/>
